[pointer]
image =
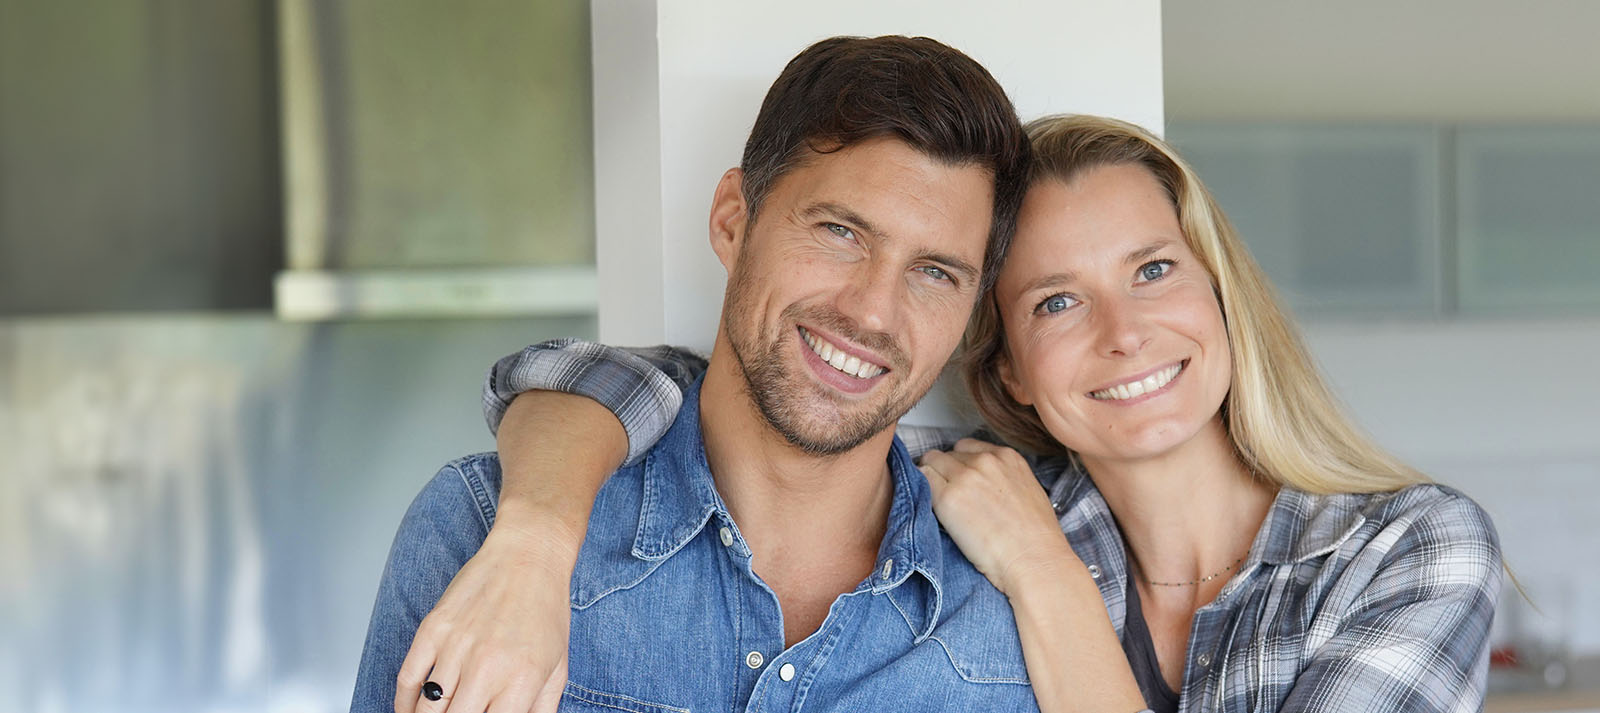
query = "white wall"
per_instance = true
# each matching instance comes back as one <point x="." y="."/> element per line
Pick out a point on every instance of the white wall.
<point x="677" y="86"/>
<point x="1507" y="411"/>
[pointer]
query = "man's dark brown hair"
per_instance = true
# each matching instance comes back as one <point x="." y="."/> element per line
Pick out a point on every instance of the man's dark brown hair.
<point x="845" y="90"/>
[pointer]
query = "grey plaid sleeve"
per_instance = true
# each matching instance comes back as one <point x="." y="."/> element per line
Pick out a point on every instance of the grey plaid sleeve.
<point x="921" y="439"/>
<point x="642" y="386"/>
<point x="1416" y="638"/>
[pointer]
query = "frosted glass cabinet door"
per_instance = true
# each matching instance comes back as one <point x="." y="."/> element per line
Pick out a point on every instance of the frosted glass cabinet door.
<point x="1345" y="220"/>
<point x="1529" y="219"/>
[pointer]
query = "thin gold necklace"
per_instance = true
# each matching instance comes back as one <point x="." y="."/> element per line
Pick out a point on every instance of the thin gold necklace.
<point x="1191" y="583"/>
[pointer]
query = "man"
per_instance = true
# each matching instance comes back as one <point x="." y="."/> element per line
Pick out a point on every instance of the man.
<point x="776" y="547"/>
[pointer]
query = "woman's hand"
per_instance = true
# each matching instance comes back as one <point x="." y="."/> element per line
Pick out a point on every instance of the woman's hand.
<point x="988" y="500"/>
<point x="497" y="639"/>
<point x="992" y="506"/>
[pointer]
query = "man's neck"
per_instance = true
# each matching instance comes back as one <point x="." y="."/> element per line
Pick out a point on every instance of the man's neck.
<point x="813" y="523"/>
<point x="771" y="486"/>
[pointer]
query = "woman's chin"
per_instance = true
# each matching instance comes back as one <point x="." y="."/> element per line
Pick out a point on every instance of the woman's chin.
<point x="1148" y="443"/>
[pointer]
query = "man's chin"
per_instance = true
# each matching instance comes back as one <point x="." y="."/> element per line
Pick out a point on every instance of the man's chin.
<point x="825" y="431"/>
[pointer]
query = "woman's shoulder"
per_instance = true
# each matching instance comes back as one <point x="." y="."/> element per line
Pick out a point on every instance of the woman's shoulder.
<point x="1417" y="523"/>
<point x="1429" y="506"/>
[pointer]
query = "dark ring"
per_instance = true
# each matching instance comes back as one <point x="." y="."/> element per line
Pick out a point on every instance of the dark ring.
<point x="432" y="691"/>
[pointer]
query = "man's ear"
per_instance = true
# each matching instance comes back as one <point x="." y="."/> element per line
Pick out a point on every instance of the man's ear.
<point x="1009" y="378"/>
<point x="728" y="217"/>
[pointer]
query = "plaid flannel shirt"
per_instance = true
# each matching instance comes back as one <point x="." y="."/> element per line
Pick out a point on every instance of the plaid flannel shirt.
<point x="1349" y="602"/>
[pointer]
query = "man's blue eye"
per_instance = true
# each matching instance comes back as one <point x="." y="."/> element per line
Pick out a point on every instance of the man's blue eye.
<point x="937" y="273"/>
<point x="1152" y="271"/>
<point x="841" y="231"/>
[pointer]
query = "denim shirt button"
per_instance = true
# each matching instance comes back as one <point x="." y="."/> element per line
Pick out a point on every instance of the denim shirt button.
<point x="726" y="536"/>
<point x="888" y="568"/>
<point x="786" y="672"/>
<point x="1059" y="507"/>
<point x="1203" y="659"/>
<point x="1094" y="571"/>
<point x="753" y="659"/>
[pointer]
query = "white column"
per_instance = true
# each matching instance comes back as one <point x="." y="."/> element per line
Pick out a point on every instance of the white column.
<point x="677" y="85"/>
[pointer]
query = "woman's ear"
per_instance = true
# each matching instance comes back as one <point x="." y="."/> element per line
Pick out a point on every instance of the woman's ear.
<point x="1002" y="365"/>
<point x="728" y="217"/>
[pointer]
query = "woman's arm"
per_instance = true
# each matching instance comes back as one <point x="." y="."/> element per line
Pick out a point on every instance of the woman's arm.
<point x="1415" y="637"/>
<point x="989" y="501"/>
<point x="583" y="410"/>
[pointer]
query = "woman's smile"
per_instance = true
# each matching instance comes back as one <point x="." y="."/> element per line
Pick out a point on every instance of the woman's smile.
<point x="1150" y="383"/>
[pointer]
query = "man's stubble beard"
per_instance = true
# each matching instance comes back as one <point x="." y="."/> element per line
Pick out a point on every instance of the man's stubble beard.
<point x="781" y="395"/>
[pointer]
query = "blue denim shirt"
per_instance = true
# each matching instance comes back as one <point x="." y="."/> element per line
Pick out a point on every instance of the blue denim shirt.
<point x="667" y="614"/>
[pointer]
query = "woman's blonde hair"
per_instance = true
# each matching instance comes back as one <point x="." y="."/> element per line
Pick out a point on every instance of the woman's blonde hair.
<point x="1280" y="415"/>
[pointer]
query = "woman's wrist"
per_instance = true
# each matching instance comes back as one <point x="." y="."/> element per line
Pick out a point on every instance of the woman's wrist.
<point x="1045" y="570"/>
<point x="538" y="531"/>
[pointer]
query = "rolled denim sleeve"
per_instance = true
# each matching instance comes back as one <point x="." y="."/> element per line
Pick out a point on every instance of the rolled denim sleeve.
<point x="1417" y="637"/>
<point x="643" y="386"/>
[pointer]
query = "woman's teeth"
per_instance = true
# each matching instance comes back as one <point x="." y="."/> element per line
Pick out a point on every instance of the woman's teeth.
<point x="837" y="359"/>
<point x="1141" y="387"/>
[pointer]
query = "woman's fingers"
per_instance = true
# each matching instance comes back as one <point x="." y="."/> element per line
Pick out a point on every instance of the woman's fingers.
<point x="973" y="445"/>
<point x="929" y="466"/>
<point x="414" y="670"/>
<point x="473" y="691"/>
<point x="448" y="678"/>
<point x="549" y="699"/>
<point x="498" y="634"/>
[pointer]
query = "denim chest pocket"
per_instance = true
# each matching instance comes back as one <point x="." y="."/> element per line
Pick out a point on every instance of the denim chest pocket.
<point x="978" y="637"/>
<point x="578" y="699"/>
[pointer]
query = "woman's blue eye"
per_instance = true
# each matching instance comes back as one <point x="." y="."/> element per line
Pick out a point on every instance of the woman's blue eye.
<point x="1054" y="303"/>
<point x="1152" y="271"/>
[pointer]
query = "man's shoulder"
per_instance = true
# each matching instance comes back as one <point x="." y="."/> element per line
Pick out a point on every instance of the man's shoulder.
<point x="976" y="626"/>
<point x="472" y="480"/>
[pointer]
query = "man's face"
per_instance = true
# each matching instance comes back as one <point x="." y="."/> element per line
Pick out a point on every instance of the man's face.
<point x="850" y="291"/>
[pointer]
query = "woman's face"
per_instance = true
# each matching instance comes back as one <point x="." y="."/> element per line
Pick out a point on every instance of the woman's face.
<point x="1115" y="334"/>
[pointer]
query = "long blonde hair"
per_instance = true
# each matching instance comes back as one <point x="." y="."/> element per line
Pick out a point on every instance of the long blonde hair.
<point x="1283" y="421"/>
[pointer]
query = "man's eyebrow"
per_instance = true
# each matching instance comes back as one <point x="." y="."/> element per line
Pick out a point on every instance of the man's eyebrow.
<point x="828" y="209"/>
<point x="951" y="263"/>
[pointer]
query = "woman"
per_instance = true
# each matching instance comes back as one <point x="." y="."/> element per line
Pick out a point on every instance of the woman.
<point x="1250" y="549"/>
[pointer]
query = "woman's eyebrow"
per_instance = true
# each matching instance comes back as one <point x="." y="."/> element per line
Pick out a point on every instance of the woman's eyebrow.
<point x="1057" y="279"/>
<point x="1147" y="251"/>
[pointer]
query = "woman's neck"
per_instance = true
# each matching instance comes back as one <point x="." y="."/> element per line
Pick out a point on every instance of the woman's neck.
<point x="1188" y="513"/>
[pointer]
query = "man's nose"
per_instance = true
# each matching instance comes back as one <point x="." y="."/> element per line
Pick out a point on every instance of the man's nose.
<point x="873" y="297"/>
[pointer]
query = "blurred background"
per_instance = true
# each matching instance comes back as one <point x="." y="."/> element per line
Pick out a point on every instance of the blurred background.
<point x="256" y="256"/>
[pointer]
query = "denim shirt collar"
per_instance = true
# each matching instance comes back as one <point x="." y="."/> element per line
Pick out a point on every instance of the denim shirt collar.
<point x="680" y="497"/>
<point x="679" y="493"/>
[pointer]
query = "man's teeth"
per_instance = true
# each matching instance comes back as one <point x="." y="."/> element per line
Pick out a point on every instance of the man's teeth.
<point x="837" y="359"/>
<point x="1141" y="387"/>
